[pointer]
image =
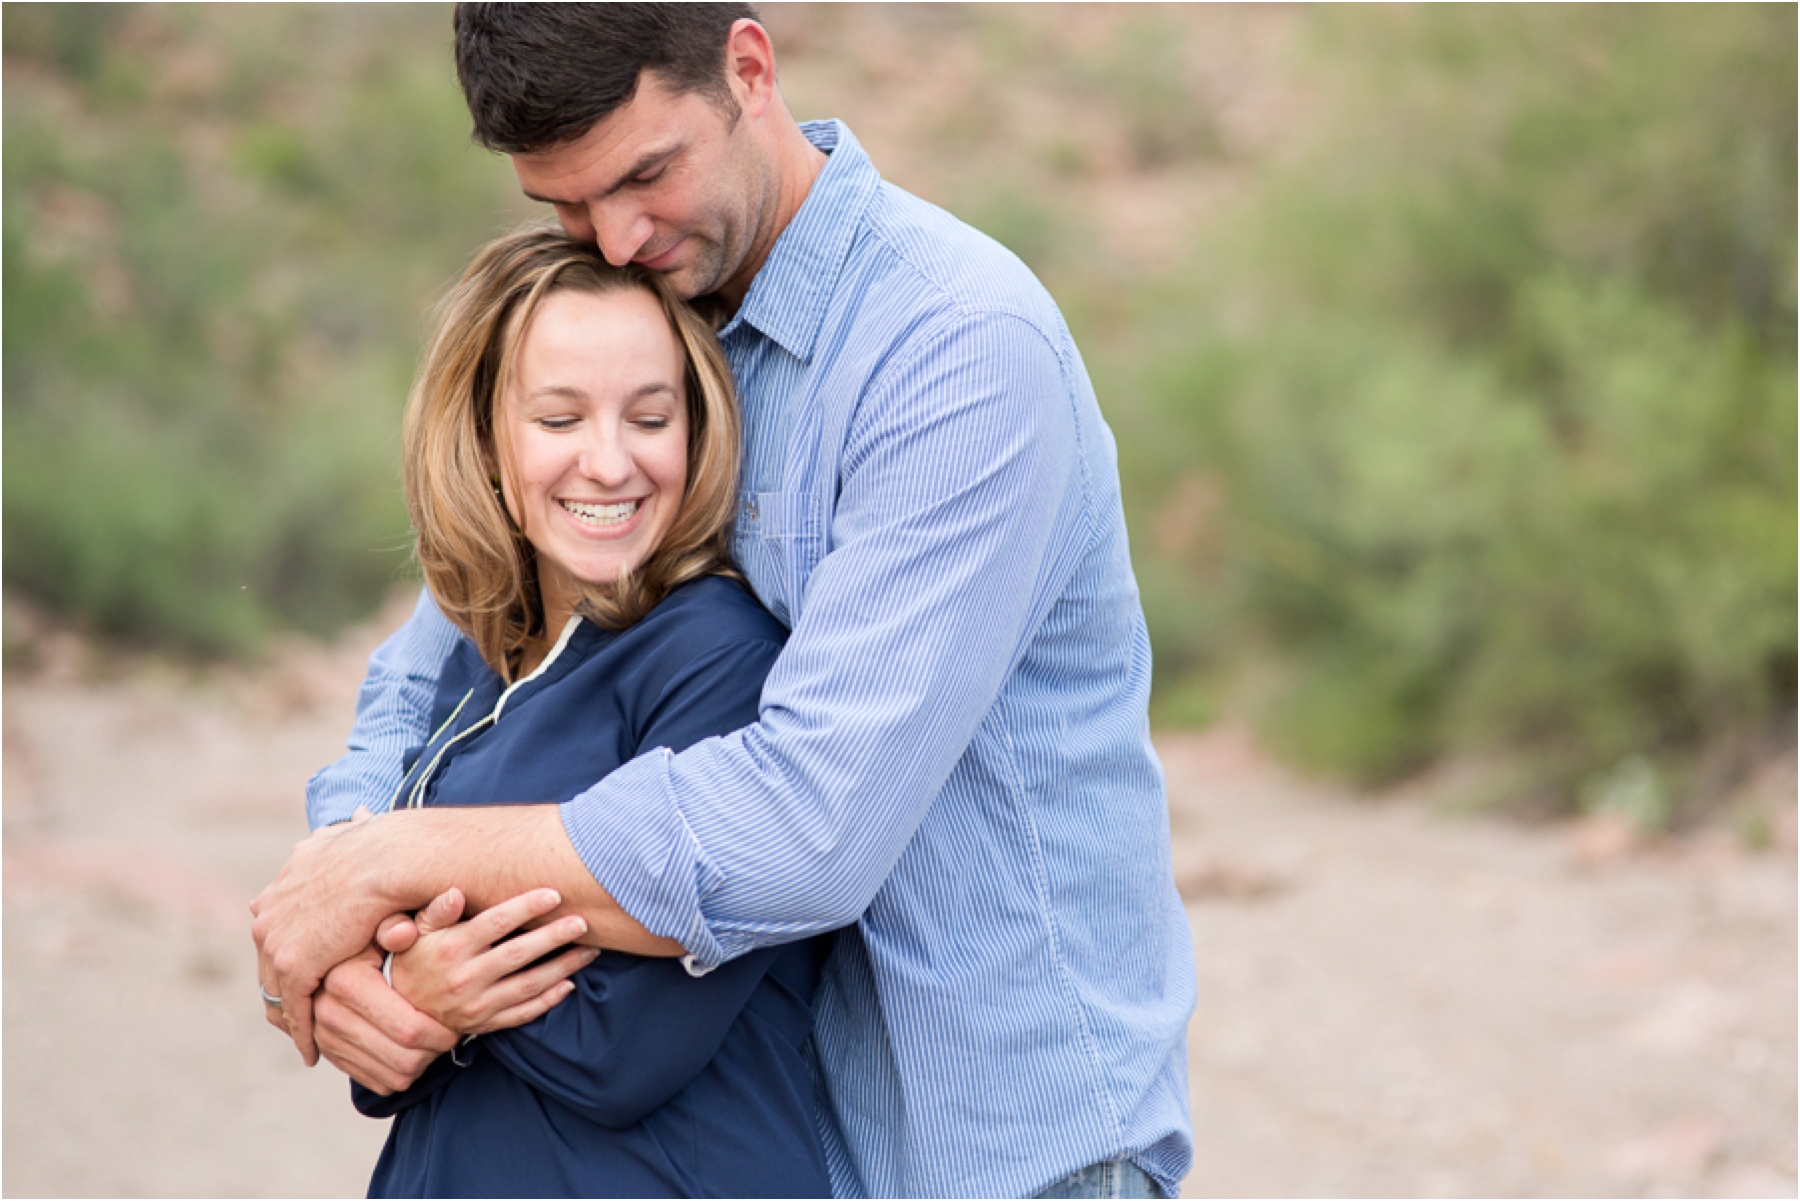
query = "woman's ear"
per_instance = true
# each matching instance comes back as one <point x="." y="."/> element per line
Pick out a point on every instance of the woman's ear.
<point x="491" y="466"/>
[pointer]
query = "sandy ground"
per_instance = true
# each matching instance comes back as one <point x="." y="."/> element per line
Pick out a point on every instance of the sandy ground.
<point x="1391" y="1002"/>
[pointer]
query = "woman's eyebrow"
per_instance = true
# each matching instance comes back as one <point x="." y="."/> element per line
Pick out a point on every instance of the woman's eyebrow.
<point x="556" y="391"/>
<point x="571" y="392"/>
<point x="652" y="389"/>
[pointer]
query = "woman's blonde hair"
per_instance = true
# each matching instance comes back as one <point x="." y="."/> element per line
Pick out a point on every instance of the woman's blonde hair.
<point x="478" y="564"/>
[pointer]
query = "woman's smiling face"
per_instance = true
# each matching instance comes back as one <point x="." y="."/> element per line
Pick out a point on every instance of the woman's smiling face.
<point x="595" y="439"/>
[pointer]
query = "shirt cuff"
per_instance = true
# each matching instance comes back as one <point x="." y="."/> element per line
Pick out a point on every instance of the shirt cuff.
<point x="632" y="838"/>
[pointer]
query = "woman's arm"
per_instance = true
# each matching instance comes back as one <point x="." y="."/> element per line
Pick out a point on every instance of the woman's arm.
<point x="635" y="1033"/>
<point x="619" y="1039"/>
<point x="637" y="1030"/>
<point x="457" y="978"/>
<point x="483" y="975"/>
<point x="325" y="904"/>
<point x="370" y="1033"/>
<point x="634" y="1030"/>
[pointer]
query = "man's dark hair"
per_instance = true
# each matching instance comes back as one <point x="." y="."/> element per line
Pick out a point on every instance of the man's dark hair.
<point x="539" y="75"/>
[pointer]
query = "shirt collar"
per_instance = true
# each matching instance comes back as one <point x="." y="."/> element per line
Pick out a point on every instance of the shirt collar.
<point x="787" y="299"/>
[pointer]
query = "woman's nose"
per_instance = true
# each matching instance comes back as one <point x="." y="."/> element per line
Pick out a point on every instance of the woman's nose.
<point x="606" y="461"/>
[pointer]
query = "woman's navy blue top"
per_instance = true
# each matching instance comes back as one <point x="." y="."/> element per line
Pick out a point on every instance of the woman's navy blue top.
<point x="646" y="1081"/>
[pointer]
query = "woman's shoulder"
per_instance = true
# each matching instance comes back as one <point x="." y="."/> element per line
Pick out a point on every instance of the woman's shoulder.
<point x="712" y="612"/>
<point x="701" y="621"/>
<point x="706" y="627"/>
<point x="694" y="666"/>
<point x="462" y="672"/>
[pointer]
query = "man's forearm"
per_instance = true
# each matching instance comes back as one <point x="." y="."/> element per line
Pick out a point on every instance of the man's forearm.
<point x="494" y="853"/>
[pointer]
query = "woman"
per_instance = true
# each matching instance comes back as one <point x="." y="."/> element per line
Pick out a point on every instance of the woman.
<point x="571" y="454"/>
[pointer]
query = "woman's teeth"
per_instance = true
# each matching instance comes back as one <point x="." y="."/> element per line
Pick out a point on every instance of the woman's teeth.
<point x="601" y="514"/>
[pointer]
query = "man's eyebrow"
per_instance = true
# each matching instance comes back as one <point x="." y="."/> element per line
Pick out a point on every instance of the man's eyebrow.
<point x="644" y="162"/>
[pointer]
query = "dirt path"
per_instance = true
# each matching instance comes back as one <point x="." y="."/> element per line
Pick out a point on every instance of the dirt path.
<point x="1397" y="1004"/>
<point x="1390" y="1003"/>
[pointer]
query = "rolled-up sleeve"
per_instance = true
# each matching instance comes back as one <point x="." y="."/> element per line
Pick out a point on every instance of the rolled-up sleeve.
<point x="393" y="710"/>
<point x="959" y="465"/>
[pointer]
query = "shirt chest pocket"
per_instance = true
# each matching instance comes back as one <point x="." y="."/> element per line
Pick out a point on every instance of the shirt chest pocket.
<point x="777" y="544"/>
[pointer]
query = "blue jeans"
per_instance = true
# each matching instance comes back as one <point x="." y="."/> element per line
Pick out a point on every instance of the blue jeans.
<point x="1113" y="1178"/>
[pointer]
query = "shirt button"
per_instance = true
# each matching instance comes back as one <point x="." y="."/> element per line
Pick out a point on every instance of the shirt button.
<point x="750" y="511"/>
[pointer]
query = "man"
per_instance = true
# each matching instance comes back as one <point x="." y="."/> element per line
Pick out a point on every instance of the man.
<point x="953" y="759"/>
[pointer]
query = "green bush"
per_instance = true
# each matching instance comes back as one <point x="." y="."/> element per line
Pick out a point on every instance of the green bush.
<point x="1497" y="386"/>
<point x="221" y="228"/>
<point x="1470" y="428"/>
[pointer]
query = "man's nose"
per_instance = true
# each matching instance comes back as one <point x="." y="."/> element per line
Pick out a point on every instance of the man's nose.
<point x="620" y="232"/>
<point x="574" y="220"/>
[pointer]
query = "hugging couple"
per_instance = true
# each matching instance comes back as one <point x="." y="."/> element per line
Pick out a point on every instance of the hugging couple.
<point x="765" y="790"/>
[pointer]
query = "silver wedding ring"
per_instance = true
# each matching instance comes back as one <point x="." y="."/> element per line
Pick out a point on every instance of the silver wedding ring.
<point x="271" y="1002"/>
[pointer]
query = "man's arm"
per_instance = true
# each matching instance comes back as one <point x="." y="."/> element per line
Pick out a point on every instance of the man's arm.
<point x="471" y="984"/>
<point x="964" y="466"/>
<point x="392" y="711"/>
<point x="961" y="513"/>
<point x="325" y="904"/>
<point x="371" y="1033"/>
<point x="370" y="1027"/>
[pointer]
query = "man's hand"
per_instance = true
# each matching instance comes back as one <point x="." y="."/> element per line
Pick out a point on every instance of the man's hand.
<point x="369" y="1032"/>
<point x="473" y="978"/>
<point x="341" y="883"/>
<point x="321" y="909"/>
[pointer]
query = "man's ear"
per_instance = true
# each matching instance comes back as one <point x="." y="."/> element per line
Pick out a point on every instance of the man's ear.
<point x="750" y="66"/>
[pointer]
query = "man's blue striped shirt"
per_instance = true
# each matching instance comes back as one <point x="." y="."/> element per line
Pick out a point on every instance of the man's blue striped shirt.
<point x="953" y="758"/>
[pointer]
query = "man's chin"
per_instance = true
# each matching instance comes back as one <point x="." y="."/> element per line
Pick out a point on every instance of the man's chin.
<point x="690" y="288"/>
<point x="699" y="276"/>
